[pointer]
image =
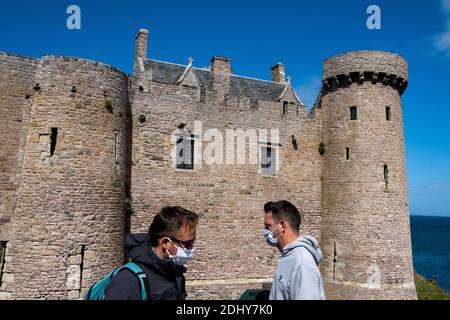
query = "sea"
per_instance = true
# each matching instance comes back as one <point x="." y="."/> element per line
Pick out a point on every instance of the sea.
<point x="431" y="248"/>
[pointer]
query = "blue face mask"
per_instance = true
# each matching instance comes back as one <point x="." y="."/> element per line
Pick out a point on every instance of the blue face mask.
<point x="268" y="235"/>
<point x="183" y="255"/>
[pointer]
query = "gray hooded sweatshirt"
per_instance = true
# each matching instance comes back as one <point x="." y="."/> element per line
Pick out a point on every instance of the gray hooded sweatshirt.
<point x="297" y="276"/>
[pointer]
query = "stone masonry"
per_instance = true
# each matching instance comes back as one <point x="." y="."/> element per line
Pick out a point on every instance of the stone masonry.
<point x="88" y="154"/>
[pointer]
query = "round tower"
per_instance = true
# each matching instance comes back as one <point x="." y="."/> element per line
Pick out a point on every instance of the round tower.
<point x="366" y="232"/>
<point x="68" y="226"/>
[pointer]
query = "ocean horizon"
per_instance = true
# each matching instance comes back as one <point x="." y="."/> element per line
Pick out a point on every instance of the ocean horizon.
<point x="431" y="248"/>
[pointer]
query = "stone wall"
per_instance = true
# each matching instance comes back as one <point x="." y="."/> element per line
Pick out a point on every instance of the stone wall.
<point x="231" y="251"/>
<point x="366" y="61"/>
<point x="16" y="88"/>
<point x="80" y="141"/>
<point x="68" y="224"/>
<point x="365" y="215"/>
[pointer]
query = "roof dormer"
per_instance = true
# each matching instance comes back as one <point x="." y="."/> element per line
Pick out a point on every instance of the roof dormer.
<point x="188" y="77"/>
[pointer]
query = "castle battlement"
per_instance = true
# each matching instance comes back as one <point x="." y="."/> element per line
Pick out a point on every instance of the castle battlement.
<point x="359" y="66"/>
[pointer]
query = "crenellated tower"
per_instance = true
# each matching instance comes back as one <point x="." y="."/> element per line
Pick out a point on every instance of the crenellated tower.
<point x="365" y="215"/>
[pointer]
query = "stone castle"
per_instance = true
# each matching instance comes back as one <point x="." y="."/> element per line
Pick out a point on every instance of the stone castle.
<point x="86" y="156"/>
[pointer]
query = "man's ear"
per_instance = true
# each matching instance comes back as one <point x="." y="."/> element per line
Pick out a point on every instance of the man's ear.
<point x="163" y="241"/>
<point x="284" y="225"/>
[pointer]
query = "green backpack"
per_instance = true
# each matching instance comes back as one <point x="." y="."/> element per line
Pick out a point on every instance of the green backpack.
<point x="97" y="290"/>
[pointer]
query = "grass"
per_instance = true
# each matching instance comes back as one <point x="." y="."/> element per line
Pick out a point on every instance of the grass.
<point x="428" y="289"/>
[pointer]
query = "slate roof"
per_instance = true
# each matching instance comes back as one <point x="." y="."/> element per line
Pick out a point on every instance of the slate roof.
<point x="254" y="89"/>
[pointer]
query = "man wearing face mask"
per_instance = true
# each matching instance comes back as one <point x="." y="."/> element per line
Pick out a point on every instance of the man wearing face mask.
<point x="297" y="276"/>
<point x="162" y="254"/>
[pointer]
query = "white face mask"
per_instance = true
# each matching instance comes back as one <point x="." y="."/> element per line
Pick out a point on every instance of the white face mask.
<point x="183" y="255"/>
<point x="268" y="235"/>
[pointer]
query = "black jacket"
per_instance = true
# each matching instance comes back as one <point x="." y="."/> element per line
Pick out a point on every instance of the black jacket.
<point x="166" y="279"/>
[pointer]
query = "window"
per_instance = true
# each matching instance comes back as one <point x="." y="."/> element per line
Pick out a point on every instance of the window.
<point x="116" y="151"/>
<point x="347" y="153"/>
<point x="2" y="258"/>
<point x="285" y="107"/>
<point x="53" y="140"/>
<point x="353" y="113"/>
<point x="185" y="152"/>
<point x="388" y="114"/>
<point x="268" y="164"/>
<point x="386" y="175"/>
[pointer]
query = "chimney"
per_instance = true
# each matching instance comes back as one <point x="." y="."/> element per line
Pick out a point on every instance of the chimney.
<point x="278" y="73"/>
<point x="220" y="65"/>
<point x="220" y="77"/>
<point x="140" y="54"/>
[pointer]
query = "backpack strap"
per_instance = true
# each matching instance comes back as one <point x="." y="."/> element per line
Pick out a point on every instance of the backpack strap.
<point x="139" y="272"/>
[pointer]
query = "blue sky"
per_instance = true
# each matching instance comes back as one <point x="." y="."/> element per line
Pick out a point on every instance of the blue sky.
<point x="255" y="35"/>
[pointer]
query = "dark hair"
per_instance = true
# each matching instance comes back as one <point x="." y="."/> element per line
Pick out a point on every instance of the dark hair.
<point x="284" y="210"/>
<point x="168" y="221"/>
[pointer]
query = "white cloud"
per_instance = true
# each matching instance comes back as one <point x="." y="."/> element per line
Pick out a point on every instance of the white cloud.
<point x="446" y="5"/>
<point x="308" y="92"/>
<point x="442" y="40"/>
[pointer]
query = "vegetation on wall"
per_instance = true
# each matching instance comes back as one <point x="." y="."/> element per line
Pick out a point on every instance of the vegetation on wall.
<point x="108" y="105"/>
<point x="322" y="148"/>
<point x="142" y="118"/>
<point x="128" y="206"/>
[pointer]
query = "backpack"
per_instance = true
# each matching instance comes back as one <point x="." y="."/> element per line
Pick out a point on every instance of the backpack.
<point x="97" y="290"/>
